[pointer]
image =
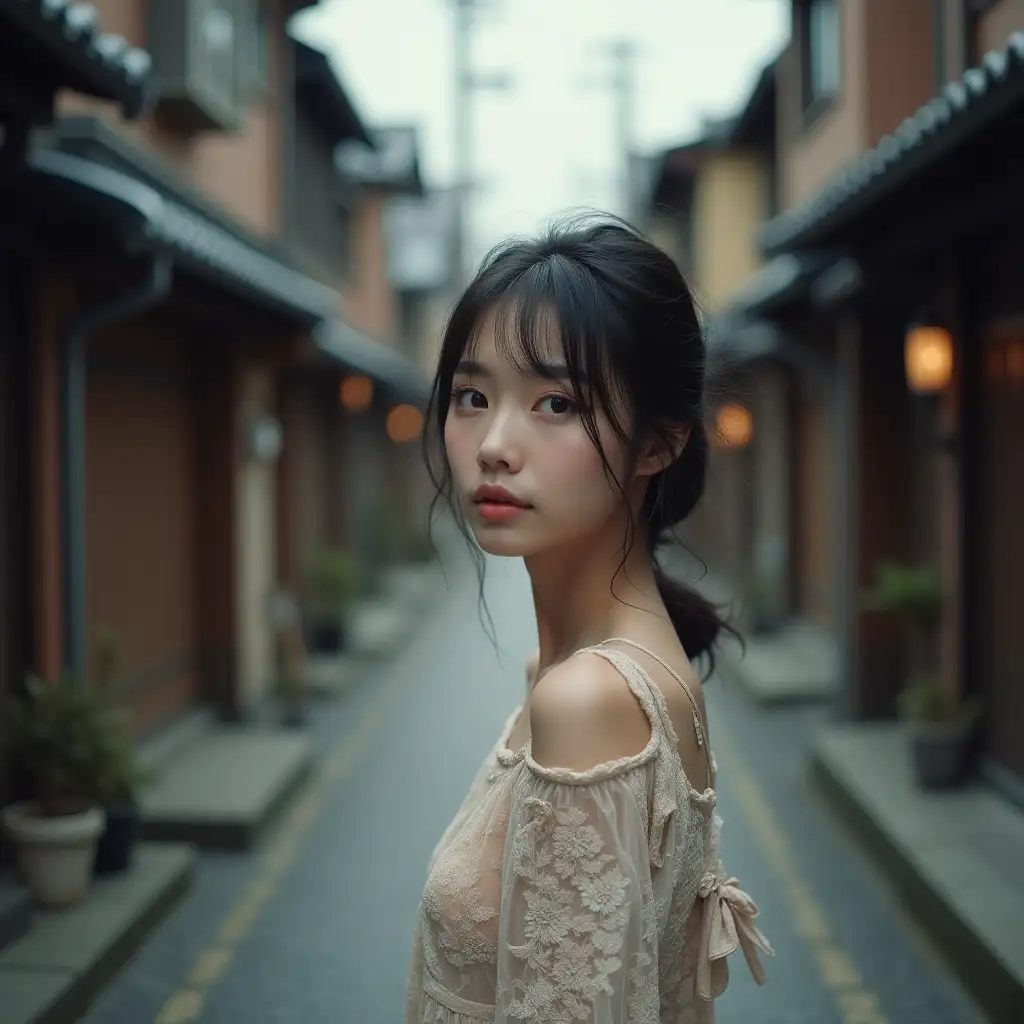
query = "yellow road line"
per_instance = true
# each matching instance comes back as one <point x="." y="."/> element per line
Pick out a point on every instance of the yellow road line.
<point x="186" y="1004"/>
<point x="837" y="971"/>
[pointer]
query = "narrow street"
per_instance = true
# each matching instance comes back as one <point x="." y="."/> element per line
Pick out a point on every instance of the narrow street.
<point x="315" y="926"/>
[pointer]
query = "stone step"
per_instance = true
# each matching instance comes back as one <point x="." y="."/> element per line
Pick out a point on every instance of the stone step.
<point x="53" y="973"/>
<point x="170" y="740"/>
<point x="955" y="858"/>
<point x="797" y="664"/>
<point x="15" y="913"/>
<point x="222" y="790"/>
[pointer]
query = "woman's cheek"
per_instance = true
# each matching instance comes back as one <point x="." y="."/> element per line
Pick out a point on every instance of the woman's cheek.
<point x="578" y="461"/>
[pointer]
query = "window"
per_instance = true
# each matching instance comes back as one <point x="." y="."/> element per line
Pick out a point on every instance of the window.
<point x="822" y="51"/>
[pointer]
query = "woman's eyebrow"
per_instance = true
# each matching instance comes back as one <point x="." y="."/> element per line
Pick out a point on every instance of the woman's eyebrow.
<point x="546" y="371"/>
<point x="471" y="368"/>
<point x="557" y="371"/>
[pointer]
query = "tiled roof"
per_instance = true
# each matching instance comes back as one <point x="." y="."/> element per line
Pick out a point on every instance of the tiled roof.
<point x="779" y="281"/>
<point x="983" y="93"/>
<point x="150" y="220"/>
<point x="318" y="87"/>
<point x="358" y="351"/>
<point x="101" y="64"/>
<point x="160" y="222"/>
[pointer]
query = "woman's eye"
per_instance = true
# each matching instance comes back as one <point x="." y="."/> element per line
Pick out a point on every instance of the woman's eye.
<point x="556" y="405"/>
<point x="468" y="398"/>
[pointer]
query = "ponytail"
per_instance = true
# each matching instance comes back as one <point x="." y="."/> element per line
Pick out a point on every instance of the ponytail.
<point x="697" y="621"/>
<point x="671" y="497"/>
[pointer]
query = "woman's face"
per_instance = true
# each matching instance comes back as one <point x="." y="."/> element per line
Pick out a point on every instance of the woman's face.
<point x="526" y="472"/>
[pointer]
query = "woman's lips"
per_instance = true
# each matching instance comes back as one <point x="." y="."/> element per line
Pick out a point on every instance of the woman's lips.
<point x="499" y="511"/>
<point x="497" y="504"/>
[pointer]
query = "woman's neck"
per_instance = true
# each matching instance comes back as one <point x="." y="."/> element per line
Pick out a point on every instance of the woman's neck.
<point x="583" y="593"/>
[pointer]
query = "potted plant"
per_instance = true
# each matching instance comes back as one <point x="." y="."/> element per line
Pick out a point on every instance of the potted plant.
<point x="941" y="724"/>
<point x="941" y="730"/>
<point x="119" y="776"/>
<point x="57" y="732"/>
<point x="332" y="584"/>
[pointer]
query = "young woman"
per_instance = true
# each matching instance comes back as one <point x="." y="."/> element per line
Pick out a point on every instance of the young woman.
<point x="580" y="880"/>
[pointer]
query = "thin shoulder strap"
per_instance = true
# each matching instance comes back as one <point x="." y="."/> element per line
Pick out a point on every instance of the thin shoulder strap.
<point x="698" y="725"/>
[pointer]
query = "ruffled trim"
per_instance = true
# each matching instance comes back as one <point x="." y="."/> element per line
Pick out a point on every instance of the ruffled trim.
<point x="599" y="773"/>
<point x="662" y="749"/>
<point x="610" y="769"/>
<point x="506" y="757"/>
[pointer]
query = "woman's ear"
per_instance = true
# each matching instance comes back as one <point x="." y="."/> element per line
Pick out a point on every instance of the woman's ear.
<point x="663" y="450"/>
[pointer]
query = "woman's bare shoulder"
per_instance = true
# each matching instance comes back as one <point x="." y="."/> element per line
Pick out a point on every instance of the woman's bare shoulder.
<point x="583" y="714"/>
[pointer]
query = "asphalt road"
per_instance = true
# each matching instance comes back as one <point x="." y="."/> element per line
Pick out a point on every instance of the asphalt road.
<point x="315" y="926"/>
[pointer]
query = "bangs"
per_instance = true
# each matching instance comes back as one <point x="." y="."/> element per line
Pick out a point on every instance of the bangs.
<point x="553" y="320"/>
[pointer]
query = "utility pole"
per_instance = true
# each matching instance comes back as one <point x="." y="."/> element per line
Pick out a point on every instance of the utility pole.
<point x="466" y="83"/>
<point x="622" y="82"/>
<point x="463" y="117"/>
<point x="623" y="53"/>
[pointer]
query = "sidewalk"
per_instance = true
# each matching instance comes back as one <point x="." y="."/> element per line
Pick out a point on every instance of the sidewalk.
<point x="956" y="859"/>
<point x="219" y="787"/>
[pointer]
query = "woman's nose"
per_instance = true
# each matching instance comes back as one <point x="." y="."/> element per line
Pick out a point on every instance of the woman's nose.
<point x="499" y="449"/>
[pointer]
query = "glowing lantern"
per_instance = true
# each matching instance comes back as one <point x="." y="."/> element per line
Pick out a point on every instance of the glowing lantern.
<point x="734" y="426"/>
<point x="404" y="423"/>
<point x="928" y="358"/>
<point x="356" y="393"/>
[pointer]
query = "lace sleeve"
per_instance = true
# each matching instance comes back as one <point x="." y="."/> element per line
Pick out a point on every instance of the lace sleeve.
<point x="578" y="933"/>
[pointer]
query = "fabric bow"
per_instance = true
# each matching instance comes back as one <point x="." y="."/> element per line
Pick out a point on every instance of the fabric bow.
<point x="727" y="921"/>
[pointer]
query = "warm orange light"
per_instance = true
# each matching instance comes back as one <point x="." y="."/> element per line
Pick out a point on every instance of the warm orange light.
<point x="356" y="393"/>
<point x="734" y="426"/>
<point x="1015" y="361"/>
<point x="928" y="358"/>
<point x="404" y="423"/>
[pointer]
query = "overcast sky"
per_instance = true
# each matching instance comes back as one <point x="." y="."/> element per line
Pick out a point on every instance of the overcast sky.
<point x="550" y="141"/>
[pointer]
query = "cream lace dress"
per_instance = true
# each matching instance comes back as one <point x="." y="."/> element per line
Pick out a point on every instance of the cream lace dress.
<point x="556" y="895"/>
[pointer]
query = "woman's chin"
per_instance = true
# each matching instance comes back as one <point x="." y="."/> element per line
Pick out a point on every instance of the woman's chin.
<point x="502" y="541"/>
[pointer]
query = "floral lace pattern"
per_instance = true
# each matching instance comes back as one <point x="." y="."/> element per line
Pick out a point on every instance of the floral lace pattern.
<point x="559" y="896"/>
<point x="578" y="909"/>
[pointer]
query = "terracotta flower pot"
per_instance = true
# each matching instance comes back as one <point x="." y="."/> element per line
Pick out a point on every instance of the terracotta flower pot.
<point x="55" y="854"/>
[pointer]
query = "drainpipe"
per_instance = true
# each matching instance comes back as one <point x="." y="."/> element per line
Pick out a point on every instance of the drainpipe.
<point x="155" y="286"/>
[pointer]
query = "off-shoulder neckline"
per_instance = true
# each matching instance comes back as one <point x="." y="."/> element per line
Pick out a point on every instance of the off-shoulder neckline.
<point x="508" y="758"/>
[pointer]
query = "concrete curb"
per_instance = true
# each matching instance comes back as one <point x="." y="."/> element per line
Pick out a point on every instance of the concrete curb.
<point x="51" y="979"/>
<point x="991" y="983"/>
<point x="276" y="766"/>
